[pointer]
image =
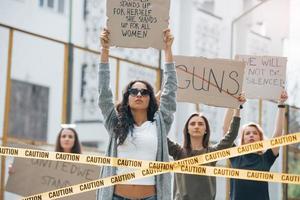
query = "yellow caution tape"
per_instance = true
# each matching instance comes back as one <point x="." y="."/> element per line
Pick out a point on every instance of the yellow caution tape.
<point x="142" y="164"/>
<point x="195" y="170"/>
<point x="150" y="168"/>
<point x="78" y="158"/>
<point x="240" y="174"/>
<point x="241" y="150"/>
<point x="88" y="186"/>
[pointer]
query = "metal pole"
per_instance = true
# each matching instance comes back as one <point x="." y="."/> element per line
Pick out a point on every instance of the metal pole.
<point x="70" y="82"/>
<point x="70" y="67"/>
<point x="67" y="84"/>
<point x="260" y="107"/>
<point x="64" y="117"/>
<point x="70" y="19"/>
<point x="285" y="158"/>
<point x="7" y="109"/>
<point x="197" y="107"/>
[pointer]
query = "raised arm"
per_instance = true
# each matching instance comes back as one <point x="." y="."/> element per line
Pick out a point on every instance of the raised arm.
<point x="227" y="119"/>
<point x="104" y="39"/>
<point x="105" y="100"/>
<point x="167" y="105"/>
<point x="230" y="132"/>
<point x="174" y="149"/>
<point x="232" y="112"/>
<point x="228" y="138"/>
<point x="168" y="41"/>
<point x="279" y="122"/>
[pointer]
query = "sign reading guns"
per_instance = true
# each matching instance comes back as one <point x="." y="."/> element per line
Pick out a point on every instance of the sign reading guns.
<point x="216" y="82"/>
<point x="264" y="76"/>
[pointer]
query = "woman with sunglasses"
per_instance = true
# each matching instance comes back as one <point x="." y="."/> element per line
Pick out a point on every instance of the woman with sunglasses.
<point x="262" y="161"/>
<point x="138" y="127"/>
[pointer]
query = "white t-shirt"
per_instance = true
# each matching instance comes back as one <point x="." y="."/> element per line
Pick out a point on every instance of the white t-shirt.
<point x="141" y="144"/>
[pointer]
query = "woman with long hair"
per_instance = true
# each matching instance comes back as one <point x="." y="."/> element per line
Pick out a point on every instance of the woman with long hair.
<point x="196" y="141"/>
<point x="137" y="127"/>
<point x="67" y="141"/>
<point x="262" y="161"/>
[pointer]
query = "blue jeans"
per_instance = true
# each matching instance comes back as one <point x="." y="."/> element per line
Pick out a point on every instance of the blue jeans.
<point x="117" y="197"/>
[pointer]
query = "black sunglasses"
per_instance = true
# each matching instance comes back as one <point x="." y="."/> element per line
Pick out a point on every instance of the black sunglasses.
<point x="134" y="92"/>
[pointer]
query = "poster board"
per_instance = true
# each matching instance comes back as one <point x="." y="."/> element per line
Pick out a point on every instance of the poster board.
<point x="33" y="176"/>
<point x="215" y="82"/>
<point x="137" y="24"/>
<point x="265" y="76"/>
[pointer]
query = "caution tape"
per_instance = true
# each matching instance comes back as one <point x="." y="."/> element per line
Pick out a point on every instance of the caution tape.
<point x="91" y="185"/>
<point x="78" y="158"/>
<point x="142" y="164"/>
<point x="241" y="150"/>
<point x="150" y="168"/>
<point x="195" y="170"/>
<point x="240" y="174"/>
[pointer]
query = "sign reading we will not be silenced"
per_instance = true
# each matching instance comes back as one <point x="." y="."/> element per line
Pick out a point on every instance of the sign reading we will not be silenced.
<point x="216" y="82"/>
<point x="264" y="76"/>
<point x="137" y="23"/>
<point x="34" y="176"/>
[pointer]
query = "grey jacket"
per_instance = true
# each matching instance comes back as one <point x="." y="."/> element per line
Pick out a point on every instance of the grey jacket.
<point x="163" y="119"/>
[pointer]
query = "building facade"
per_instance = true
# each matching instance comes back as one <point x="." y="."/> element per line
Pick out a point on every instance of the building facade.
<point x="201" y="28"/>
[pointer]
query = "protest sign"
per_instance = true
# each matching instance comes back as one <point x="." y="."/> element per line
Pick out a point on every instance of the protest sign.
<point x="137" y="23"/>
<point x="264" y="76"/>
<point x="216" y="82"/>
<point x="34" y="176"/>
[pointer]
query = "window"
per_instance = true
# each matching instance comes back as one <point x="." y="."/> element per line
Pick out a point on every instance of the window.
<point x="28" y="110"/>
<point x="207" y="5"/>
<point x="54" y="5"/>
<point x="50" y="3"/>
<point x="61" y="6"/>
<point x="41" y="3"/>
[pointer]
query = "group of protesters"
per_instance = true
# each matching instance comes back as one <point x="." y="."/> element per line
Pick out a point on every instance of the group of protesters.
<point x="138" y="129"/>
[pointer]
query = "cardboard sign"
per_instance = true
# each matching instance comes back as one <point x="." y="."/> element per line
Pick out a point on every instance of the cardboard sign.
<point x="216" y="82"/>
<point x="137" y="23"/>
<point x="33" y="176"/>
<point x="264" y="76"/>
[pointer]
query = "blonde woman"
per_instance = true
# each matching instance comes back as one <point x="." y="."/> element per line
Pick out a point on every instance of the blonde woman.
<point x="262" y="161"/>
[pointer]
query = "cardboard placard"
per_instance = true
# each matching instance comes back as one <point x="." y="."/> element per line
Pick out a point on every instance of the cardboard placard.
<point x="216" y="82"/>
<point x="264" y="76"/>
<point x="137" y="23"/>
<point x="33" y="176"/>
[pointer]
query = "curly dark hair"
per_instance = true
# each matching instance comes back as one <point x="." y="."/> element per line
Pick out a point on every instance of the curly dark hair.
<point x="187" y="137"/>
<point x="125" y="119"/>
<point x="76" y="147"/>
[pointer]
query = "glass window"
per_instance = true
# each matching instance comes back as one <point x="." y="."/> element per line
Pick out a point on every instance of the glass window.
<point x="28" y="111"/>
<point x="57" y="6"/>
<point x="41" y="3"/>
<point x="61" y="6"/>
<point x="50" y="3"/>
